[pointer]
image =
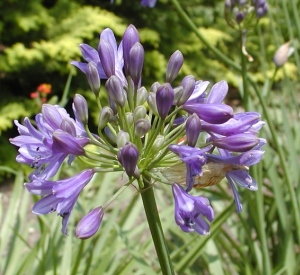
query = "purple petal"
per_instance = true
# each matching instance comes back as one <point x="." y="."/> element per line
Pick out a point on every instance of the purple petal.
<point x="218" y="92"/>
<point x="242" y="178"/>
<point x="211" y="113"/>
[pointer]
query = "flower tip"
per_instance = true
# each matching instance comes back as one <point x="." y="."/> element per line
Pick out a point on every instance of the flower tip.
<point x="282" y="54"/>
<point x="90" y="224"/>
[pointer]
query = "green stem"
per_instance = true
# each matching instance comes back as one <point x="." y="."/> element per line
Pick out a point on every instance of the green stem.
<point x="156" y="229"/>
<point x="244" y="72"/>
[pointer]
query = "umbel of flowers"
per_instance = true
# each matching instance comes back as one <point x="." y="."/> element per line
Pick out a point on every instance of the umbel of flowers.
<point x="243" y="14"/>
<point x="181" y="135"/>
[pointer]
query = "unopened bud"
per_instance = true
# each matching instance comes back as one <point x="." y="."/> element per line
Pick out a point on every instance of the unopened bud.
<point x="282" y="54"/>
<point x="154" y="87"/>
<point x="142" y="126"/>
<point x="193" y="129"/>
<point x="89" y="225"/>
<point x="174" y="66"/>
<point x="128" y="156"/>
<point x="93" y="78"/>
<point x="158" y="143"/>
<point x="115" y="90"/>
<point x="188" y="84"/>
<point x="164" y="99"/>
<point x="152" y="102"/>
<point x="106" y="114"/>
<point x="122" y="138"/>
<point x="129" y="118"/>
<point x="141" y="95"/>
<point x="139" y="112"/>
<point x="107" y="57"/>
<point x="81" y="108"/>
<point x="136" y="61"/>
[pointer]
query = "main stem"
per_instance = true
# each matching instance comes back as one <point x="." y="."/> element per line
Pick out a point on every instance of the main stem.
<point x="156" y="229"/>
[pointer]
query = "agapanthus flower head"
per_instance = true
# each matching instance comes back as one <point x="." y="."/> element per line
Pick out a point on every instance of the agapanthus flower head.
<point x="184" y="133"/>
<point x="244" y="13"/>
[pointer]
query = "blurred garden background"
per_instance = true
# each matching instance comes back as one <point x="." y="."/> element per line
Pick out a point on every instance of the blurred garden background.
<point x="38" y="39"/>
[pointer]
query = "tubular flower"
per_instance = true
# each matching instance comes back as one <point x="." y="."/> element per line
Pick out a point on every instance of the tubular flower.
<point x="56" y="137"/>
<point x="60" y="196"/>
<point x="184" y="136"/>
<point x="191" y="212"/>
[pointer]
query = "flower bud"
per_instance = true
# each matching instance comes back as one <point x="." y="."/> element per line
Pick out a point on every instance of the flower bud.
<point x="178" y="91"/>
<point x="158" y="143"/>
<point x="139" y="112"/>
<point x="105" y="115"/>
<point x="93" y="78"/>
<point x="122" y="138"/>
<point x="128" y="156"/>
<point x="110" y="134"/>
<point x="136" y="61"/>
<point x="107" y="57"/>
<point x="142" y="126"/>
<point x="174" y="66"/>
<point x="142" y="95"/>
<point x="81" y="108"/>
<point x="164" y="99"/>
<point x="115" y="90"/>
<point x="154" y="87"/>
<point x="130" y="37"/>
<point x="188" y="84"/>
<point x="129" y="118"/>
<point x="89" y="225"/>
<point x="193" y="129"/>
<point x="282" y="54"/>
<point x="151" y="100"/>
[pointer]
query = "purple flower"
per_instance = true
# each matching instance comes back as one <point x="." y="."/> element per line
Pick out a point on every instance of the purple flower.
<point x="89" y="225"/>
<point x="57" y="136"/>
<point x="60" y="196"/>
<point x="191" y="212"/>
<point x="164" y="99"/>
<point x="128" y="157"/>
<point x="174" y="66"/>
<point x="192" y="129"/>
<point x="237" y="143"/>
<point x="148" y="3"/>
<point x="194" y="158"/>
<point x="108" y="59"/>
<point x="145" y="3"/>
<point x="210" y="113"/>
<point x="240" y="123"/>
<point x="209" y="109"/>
<point x="239" y="168"/>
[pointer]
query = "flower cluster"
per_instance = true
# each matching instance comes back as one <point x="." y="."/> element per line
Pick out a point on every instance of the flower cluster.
<point x="178" y="135"/>
<point x="244" y="13"/>
<point x="145" y="3"/>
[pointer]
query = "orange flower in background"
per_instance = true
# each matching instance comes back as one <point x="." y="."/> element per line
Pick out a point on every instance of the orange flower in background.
<point x="44" y="88"/>
<point x="41" y="93"/>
